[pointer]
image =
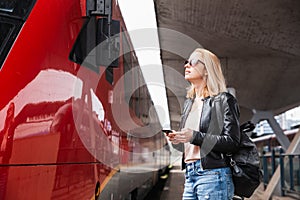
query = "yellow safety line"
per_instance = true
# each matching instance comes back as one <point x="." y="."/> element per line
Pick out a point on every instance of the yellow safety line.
<point x="106" y="180"/>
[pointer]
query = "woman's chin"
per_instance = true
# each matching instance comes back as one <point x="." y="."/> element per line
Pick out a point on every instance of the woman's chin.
<point x="187" y="77"/>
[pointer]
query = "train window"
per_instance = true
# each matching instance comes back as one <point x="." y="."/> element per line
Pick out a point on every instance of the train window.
<point x="9" y="30"/>
<point x="95" y="33"/>
<point x="109" y="75"/>
<point x="16" y="8"/>
<point x="108" y="53"/>
<point x="13" y="14"/>
<point x="84" y="44"/>
<point x="8" y="5"/>
<point x="5" y="30"/>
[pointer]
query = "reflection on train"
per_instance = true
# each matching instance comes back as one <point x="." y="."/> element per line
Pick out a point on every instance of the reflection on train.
<point x="76" y="122"/>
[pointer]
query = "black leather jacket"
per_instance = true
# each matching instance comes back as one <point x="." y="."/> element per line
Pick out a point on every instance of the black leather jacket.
<point x="218" y="133"/>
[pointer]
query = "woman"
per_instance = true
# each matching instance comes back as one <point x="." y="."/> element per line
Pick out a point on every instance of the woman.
<point x="206" y="141"/>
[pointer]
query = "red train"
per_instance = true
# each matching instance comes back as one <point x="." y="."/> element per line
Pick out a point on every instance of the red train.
<point x="74" y="110"/>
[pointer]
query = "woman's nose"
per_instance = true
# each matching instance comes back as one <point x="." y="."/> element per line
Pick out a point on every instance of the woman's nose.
<point x="187" y="65"/>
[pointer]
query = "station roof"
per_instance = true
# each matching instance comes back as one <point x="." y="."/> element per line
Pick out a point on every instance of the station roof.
<point x="257" y="42"/>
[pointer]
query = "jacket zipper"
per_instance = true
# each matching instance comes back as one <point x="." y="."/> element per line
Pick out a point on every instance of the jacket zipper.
<point x="201" y="167"/>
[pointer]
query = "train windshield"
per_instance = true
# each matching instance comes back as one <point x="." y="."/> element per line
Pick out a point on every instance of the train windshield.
<point x="16" y="8"/>
<point x="7" y="6"/>
<point x="5" y="30"/>
<point x="13" y="13"/>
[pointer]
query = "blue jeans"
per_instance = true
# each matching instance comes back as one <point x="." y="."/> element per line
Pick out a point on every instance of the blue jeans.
<point x="213" y="184"/>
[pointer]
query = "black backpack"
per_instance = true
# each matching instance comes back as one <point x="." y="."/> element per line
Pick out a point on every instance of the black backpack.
<point x="245" y="164"/>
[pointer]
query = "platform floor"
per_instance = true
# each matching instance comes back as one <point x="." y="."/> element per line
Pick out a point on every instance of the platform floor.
<point x="172" y="188"/>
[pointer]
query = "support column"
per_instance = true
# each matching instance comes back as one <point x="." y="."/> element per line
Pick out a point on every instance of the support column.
<point x="269" y="116"/>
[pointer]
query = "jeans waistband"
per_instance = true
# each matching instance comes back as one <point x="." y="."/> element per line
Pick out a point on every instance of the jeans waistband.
<point x="193" y="165"/>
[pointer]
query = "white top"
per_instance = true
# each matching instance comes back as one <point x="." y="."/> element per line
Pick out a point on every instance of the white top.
<point x="192" y="152"/>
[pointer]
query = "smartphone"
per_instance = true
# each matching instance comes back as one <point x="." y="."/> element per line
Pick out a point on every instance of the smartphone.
<point x="167" y="131"/>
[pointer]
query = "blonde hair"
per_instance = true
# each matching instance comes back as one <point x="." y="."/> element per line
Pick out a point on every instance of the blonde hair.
<point x="215" y="82"/>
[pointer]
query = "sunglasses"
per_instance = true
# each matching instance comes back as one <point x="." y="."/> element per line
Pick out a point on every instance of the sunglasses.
<point x="193" y="62"/>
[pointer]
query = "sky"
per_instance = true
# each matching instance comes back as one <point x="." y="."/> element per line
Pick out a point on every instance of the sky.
<point x="140" y="20"/>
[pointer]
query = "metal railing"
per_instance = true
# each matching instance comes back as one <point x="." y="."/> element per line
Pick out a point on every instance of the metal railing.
<point x="289" y="170"/>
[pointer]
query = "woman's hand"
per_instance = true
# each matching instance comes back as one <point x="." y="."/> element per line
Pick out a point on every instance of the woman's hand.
<point x="183" y="136"/>
<point x="171" y="137"/>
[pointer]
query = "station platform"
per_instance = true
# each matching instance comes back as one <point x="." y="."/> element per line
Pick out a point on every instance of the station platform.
<point x="171" y="188"/>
